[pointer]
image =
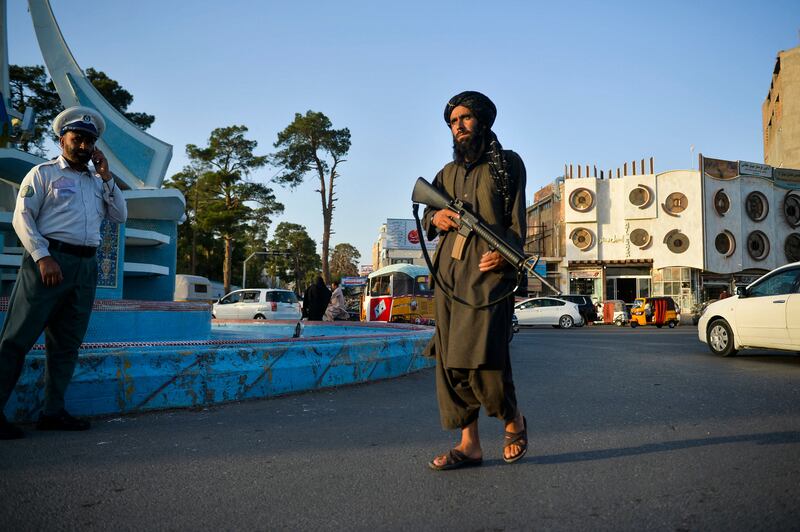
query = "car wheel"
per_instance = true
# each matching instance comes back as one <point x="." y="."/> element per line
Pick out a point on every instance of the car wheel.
<point x="720" y="338"/>
<point x="259" y="317"/>
<point x="672" y="324"/>
<point x="618" y="322"/>
<point x="565" y="321"/>
<point x="634" y="324"/>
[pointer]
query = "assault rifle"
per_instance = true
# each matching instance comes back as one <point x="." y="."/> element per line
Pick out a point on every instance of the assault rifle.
<point x="469" y="223"/>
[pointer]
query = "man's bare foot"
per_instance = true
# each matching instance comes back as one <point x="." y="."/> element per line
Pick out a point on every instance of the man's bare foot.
<point x="515" y="426"/>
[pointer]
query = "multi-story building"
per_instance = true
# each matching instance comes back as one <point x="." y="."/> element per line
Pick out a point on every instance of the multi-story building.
<point x="780" y="112"/>
<point x="545" y="233"/>
<point x="688" y="234"/>
<point x="399" y="243"/>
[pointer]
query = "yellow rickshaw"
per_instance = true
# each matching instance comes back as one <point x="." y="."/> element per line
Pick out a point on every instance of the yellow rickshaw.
<point x="658" y="311"/>
<point x="399" y="293"/>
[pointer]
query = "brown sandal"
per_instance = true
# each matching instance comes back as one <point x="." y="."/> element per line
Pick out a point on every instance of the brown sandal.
<point x="516" y="438"/>
<point x="455" y="460"/>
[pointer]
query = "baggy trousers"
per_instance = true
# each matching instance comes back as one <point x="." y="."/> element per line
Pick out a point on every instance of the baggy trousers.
<point x="62" y="312"/>
<point x="462" y="392"/>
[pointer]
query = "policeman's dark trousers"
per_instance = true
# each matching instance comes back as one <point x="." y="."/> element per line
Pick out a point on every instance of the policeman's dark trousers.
<point x="62" y="312"/>
<point x="462" y="392"/>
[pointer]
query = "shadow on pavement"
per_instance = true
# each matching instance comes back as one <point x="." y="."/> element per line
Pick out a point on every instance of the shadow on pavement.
<point x="770" y="438"/>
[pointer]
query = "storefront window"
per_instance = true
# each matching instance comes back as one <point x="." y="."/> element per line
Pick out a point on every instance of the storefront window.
<point x="678" y="283"/>
<point x="584" y="287"/>
<point x="644" y="287"/>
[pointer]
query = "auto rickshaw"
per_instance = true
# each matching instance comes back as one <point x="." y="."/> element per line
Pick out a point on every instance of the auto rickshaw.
<point x="658" y="311"/>
<point x="614" y="311"/>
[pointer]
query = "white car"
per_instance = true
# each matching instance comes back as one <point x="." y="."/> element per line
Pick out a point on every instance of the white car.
<point x="765" y="314"/>
<point x="258" y="304"/>
<point x="548" y="311"/>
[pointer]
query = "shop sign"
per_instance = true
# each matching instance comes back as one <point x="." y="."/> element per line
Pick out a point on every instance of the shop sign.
<point x="756" y="169"/>
<point x="787" y="174"/>
<point x="720" y="168"/>
<point x="402" y="234"/>
<point x="585" y="274"/>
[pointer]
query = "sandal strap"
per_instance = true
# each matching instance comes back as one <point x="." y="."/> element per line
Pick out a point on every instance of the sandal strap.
<point x="514" y="438"/>
<point x="456" y="456"/>
<point x="521" y="440"/>
<point x="453" y="456"/>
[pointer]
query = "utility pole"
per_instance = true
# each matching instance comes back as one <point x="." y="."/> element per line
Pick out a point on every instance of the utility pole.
<point x="244" y="264"/>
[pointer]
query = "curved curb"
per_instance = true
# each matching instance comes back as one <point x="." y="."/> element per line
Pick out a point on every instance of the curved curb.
<point x="123" y="378"/>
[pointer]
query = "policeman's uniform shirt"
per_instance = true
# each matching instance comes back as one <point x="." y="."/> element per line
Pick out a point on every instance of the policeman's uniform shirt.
<point x="58" y="202"/>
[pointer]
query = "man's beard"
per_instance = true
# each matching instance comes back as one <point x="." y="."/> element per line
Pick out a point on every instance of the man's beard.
<point x="468" y="150"/>
<point x="78" y="156"/>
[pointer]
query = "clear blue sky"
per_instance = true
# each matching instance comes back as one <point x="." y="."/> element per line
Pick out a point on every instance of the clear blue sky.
<point x="583" y="82"/>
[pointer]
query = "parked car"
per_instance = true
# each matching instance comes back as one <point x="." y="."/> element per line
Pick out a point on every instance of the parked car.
<point x="548" y="311"/>
<point x="258" y="304"/>
<point x="765" y="314"/>
<point x="585" y="306"/>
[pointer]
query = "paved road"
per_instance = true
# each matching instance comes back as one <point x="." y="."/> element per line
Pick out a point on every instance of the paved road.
<point x="632" y="430"/>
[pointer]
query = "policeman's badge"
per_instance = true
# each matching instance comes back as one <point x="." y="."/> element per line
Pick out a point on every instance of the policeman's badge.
<point x="26" y="192"/>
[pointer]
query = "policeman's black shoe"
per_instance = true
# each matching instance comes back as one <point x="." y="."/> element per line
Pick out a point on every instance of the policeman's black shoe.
<point x="61" y="421"/>
<point x="9" y="431"/>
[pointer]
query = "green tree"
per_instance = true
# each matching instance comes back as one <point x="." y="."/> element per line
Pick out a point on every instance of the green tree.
<point x="30" y="86"/>
<point x="227" y="194"/>
<point x="118" y="97"/>
<point x="310" y="144"/>
<point x="344" y="261"/>
<point x="192" y="240"/>
<point x="296" y="259"/>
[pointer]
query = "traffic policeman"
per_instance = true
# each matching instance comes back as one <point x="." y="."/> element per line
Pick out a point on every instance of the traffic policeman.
<point x="57" y="217"/>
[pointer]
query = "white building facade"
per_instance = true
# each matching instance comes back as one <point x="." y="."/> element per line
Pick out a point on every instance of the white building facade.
<point x="688" y="234"/>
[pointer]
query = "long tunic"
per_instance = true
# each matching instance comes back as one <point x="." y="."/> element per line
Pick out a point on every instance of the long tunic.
<point x="467" y="337"/>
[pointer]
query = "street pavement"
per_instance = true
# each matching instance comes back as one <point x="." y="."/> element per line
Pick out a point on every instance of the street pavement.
<point x="630" y="430"/>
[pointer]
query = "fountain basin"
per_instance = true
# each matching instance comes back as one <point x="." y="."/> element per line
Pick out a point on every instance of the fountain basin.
<point x="237" y="361"/>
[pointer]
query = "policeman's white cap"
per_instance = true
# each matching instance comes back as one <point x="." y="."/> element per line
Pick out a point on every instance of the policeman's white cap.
<point x="81" y="119"/>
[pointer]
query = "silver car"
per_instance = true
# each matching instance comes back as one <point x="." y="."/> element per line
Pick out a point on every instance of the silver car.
<point x="258" y="304"/>
<point x="548" y="311"/>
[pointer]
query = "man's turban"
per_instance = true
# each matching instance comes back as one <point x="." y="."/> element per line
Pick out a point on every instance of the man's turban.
<point x="480" y="105"/>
